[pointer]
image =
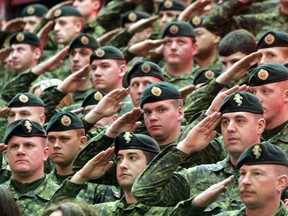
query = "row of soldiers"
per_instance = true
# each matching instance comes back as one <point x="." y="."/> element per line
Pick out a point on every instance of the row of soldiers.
<point x="123" y="97"/>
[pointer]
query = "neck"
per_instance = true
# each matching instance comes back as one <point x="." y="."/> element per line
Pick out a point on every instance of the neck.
<point x="27" y="178"/>
<point x="162" y="141"/>
<point x="176" y="69"/>
<point x="207" y="59"/>
<point x="268" y="209"/>
<point x="91" y="18"/>
<point x="129" y="197"/>
<point x="86" y="84"/>
<point x="275" y="122"/>
<point x="64" y="171"/>
<point x="118" y="86"/>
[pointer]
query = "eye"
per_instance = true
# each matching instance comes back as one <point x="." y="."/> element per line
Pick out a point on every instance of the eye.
<point x="135" y="85"/>
<point x="28" y="145"/>
<point x="119" y="159"/>
<point x="51" y="139"/>
<point x="224" y="122"/>
<point x="133" y="158"/>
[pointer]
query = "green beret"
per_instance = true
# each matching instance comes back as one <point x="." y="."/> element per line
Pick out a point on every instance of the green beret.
<point x="93" y="98"/>
<point x="145" y="68"/>
<point x="25" y="99"/>
<point x="37" y="10"/>
<point x="84" y="41"/>
<point x="158" y="92"/>
<point x="107" y="52"/>
<point x="205" y="75"/>
<point x="197" y="21"/>
<point x="67" y="11"/>
<point x="169" y="5"/>
<point x="133" y="16"/>
<point x="63" y="121"/>
<point x="262" y="153"/>
<point x="241" y="102"/>
<point x="178" y="29"/>
<point x="128" y="140"/>
<point x="23" y="128"/>
<point x="268" y="73"/>
<point x="273" y="39"/>
<point x="24" y="38"/>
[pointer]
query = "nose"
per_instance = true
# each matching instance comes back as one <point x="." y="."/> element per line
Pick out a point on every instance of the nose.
<point x="14" y="54"/>
<point x="141" y="89"/>
<point x="245" y="179"/>
<point x="231" y="127"/>
<point x="56" y="144"/>
<point x="123" y="164"/>
<point x="76" y="57"/>
<point x="21" y="151"/>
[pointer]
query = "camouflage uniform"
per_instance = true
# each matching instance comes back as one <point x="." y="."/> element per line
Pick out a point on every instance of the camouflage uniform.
<point x="70" y="190"/>
<point x="93" y="28"/>
<point x="160" y="185"/>
<point x="34" y="201"/>
<point x="222" y="19"/>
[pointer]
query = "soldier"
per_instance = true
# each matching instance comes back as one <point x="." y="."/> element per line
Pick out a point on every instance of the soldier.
<point x="26" y="154"/>
<point x="273" y="46"/>
<point x="32" y="15"/>
<point x="262" y="165"/>
<point x="133" y="152"/>
<point x="241" y="112"/>
<point x="269" y="82"/>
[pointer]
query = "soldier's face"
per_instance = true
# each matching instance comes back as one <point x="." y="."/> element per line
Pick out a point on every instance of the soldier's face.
<point x="29" y="112"/>
<point x="206" y="41"/>
<point x="228" y="61"/>
<point x="235" y="128"/>
<point x="273" y="97"/>
<point x="26" y="156"/>
<point x="137" y="85"/>
<point x="130" y="163"/>
<point x="31" y="22"/>
<point x="79" y="57"/>
<point x="64" y="145"/>
<point x="179" y="50"/>
<point x="273" y="54"/>
<point x="107" y="74"/>
<point x="158" y="117"/>
<point x="166" y="17"/>
<point x="259" y="184"/>
<point x="87" y="7"/>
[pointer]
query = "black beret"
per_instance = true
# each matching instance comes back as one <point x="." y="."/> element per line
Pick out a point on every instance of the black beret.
<point x="24" y="38"/>
<point x="262" y="153"/>
<point x="178" y="29"/>
<point x="37" y="10"/>
<point x="241" y="102"/>
<point x="205" y="75"/>
<point x="158" y="92"/>
<point x="93" y="98"/>
<point x="67" y="11"/>
<point x="133" y="16"/>
<point x="23" y="128"/>
<point x="84" y="41"/>
<point x="169" y="5"/>
<point x="268" y="73"/>
<point x="145" y="68"/>
<point x="106" y="52"/>
<point x="128" y="140"/>
<point x="273" y="39"/>
<point x="197" y="21"/>
<point x="25" y="99"/>
<point x="63" y="121"/>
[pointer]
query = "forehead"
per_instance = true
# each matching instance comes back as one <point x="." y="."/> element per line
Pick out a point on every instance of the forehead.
<point x="104" y="61"/>
<point x="79" y="50"/>
<point x="177" y="38"/>
<point x="63" y="133"/>
<point x="154" y="105"/>
<point x="66" y="19"/>
<point x="19" y="139"/>
<point x="237" y="55"/>
<point x="25" y="46"/>
<point x="140" y="79"/>
<point x="28" y="18"/>
<point x="125" y="152"/>
<point x="266" y="86"/>
<point x="27" y="109"/>
<point x="275" y="50"/>
<point x="232" y="115"/>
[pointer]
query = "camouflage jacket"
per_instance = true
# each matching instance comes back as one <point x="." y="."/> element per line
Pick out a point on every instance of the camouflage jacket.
<point x="163" y="184"/>
<point x="33" y="202"/>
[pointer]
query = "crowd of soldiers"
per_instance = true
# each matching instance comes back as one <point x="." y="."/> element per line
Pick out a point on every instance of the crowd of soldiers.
<point x="140" y="107"/>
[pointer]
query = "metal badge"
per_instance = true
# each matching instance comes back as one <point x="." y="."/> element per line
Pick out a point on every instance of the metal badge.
<point x="238" y="99"/>
<point x="174" y="29"/>
<point x="66" y="120"/>
<point x="57" y="13"/>
<point x="196" y="20"/>
<point x="28" y="126"/>
<point x="263" y="74"/>
<point x="84" y="40"/>
<point x="146" y="68"/>
<point x="269" y="39"/>
<point x="132" y="17"/>
<point x="23" y="98"/>
<point x="257" y="151"/>
<point x="98" y="96"/>
<point x="156" y="91"/>
<point x="30" y="10"/>
<point x="100" y="53"/>
<point x="20" y="37"/>
<point x="168" y="4"/>
<point x="127" y="136"/>
<point x="209" y="74"/>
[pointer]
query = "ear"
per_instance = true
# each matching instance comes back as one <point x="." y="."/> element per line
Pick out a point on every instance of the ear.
<point x="37" y="54"/>
<point x="122" y="70"/>
<point x="46" y="153"/>
<point x="78" y="26"/>
<point x="286" y="94"/>
<point x="42" y="119"/>
<point x="216" y="39"/>
<point x="96" y="5"/>
<point x="195" y="48"/>
<point x="180" y="113"/>
<point x="282" y="182"/>
<point x="83" y="141"/>
<point x="261" y="124"/>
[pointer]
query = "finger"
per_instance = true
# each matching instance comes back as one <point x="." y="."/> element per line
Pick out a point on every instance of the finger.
<point x="77" y="111"/>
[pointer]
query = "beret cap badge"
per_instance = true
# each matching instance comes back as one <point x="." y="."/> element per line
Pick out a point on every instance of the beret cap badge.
<point x="98" y="96"/>
<point x="174" y="29"/>
<point x="238" y="99"/>
<point x="132" y="17"/>
<point x="146" y="68"/>
<point x="209" y="74"/>
<point x="127" y="136"/>
<point x="65" y="120"/>
<point x="57" y="13"/>
<point x="156" y="91"/>
<point x="84" y="40"/>
<point x="257" y="151"/>
<point x="168" y="4"/>
<point x="100" y="53"/>
<point x="20" y="37"/>
<point x="269" y="39"/>
<point x="23" y="98"/>
<point x="196" y="20"/>
<point x="263" y="74"/>
<point x="28" y="126"/>
<point x="30" y="10"/>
